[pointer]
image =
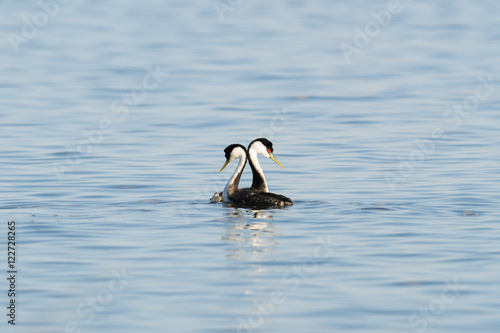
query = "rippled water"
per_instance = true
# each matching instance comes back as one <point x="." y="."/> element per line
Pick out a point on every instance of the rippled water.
<point x="114" y="119"/>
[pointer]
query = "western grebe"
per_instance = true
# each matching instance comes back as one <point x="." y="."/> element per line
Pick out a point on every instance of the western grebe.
<point x="233" y="152"/>
<point x="265" y="147"/>
<point x="247" y="197"/>
<point x="259" y="184"/>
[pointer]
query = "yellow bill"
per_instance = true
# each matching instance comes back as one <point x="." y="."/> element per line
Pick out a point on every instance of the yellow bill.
<point x="271" y="156"/>
<point x="225" y="164"/>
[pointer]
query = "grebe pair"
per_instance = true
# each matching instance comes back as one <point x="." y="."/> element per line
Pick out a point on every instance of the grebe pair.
<point x="258" y="194"/>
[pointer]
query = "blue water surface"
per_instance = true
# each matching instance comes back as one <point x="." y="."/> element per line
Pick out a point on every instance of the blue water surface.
<point x="114" y="117"/>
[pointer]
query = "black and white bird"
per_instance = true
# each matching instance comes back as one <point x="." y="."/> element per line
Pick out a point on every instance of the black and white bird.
<point x="258" y="195"/>
<point x="265" y="148"/>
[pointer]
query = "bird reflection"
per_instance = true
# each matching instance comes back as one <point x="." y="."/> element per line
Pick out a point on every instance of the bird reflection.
<point x="251" y="233"/>
<point x="255" y="213"/>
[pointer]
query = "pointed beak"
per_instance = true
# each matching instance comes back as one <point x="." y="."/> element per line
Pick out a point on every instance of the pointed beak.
<point x="225" y="164"/>
<point x="271" y="156"/>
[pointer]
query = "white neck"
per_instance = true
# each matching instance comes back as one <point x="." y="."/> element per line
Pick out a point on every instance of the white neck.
<point x="257" y="168"/>
<point x="233" y="183"/>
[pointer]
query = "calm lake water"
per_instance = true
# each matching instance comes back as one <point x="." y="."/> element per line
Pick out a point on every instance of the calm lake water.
<point x="114" y="118"/>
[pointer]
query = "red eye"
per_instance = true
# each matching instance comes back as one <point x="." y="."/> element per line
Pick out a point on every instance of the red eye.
<point x="269" y="150"/>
